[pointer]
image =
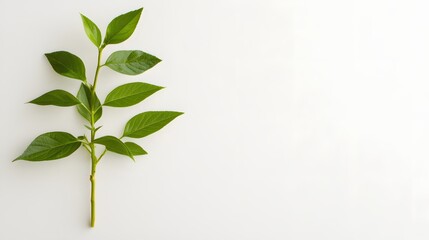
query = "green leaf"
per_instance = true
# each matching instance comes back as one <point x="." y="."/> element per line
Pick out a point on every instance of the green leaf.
<point x="84" y="95"/>
<point x="67" y="64"/>
<point x="91" y="30"/>
<point x="84" y="108"/>
<point x="50" y="146"/>
<point x="130" y="94"/>
<point x="97" y="128"/>
<point x="147" y="123"/>
<point x="131" y="62"/>
<point x="135" y="149"/>
<point x="113" y="144"/>
<point x="57" y="98"/>
<point x="122" y="27"/>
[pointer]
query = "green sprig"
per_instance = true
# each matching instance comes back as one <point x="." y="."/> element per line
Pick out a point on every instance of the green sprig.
<point x="57" y="145"/>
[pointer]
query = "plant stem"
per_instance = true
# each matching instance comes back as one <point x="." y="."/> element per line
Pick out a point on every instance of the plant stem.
<point x="92" y="179"/>
<point x="100" y="51"/>
<point x="94" y="159"/>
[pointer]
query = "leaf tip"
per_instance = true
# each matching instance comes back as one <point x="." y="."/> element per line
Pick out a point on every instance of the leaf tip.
<point x="34" y="101"/>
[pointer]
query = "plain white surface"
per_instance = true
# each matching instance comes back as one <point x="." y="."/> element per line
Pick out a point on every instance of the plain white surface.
<point x="305" y="119"/>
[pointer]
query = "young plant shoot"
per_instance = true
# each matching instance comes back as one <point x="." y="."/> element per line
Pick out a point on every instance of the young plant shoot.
<point x="58" y="144"/>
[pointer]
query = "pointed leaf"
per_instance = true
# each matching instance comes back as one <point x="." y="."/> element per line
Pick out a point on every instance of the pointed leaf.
<point x="147" y="123"/>
<point x="135" y="149"/>
<point x="67" y="64"/>
<point x="130" y="94"/>
<point x="84" y="95"/>
<point x="131" y="62"/>
<point x="57" y="98"/>
<point x="113" y="144"/>
<point x="91" y="30"/>
<point x="97" y="128"/>
<point x="84" y="108"/>
<point x="122" y="27"/>
<point x="50" y="146"/>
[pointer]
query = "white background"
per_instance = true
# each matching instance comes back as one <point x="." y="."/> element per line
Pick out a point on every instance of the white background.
<point x="305" y="119"/>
